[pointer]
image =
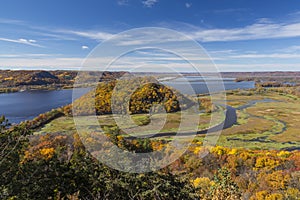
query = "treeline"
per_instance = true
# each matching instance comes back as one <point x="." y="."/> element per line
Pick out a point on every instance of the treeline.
<point x="295" y="91"/>
<point x="47" y="117"/>
<point x="272" y="84"/>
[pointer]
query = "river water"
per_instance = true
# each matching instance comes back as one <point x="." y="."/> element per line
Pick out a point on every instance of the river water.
<point x="196" y="85"/>
<point x="20" y="106"/>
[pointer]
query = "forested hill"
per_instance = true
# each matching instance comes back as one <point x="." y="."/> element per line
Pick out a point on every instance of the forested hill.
<point x="140" y="93"/>
<point x="16" y="80"/>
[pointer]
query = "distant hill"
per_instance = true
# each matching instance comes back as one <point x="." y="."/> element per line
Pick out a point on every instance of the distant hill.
<point x="40" y="79"/>
<point x="10" y="78"/>
<point x="276" y="78"/>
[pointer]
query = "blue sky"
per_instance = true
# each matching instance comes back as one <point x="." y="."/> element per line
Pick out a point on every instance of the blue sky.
<point x="239" y="35"/>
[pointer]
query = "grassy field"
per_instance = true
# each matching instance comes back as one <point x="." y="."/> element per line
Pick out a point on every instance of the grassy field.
<point x="142" y="123"/>
<point x="265" y="121"/>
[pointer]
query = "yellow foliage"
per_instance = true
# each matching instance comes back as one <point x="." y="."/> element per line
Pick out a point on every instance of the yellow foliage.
<point x="201" y="182"/>
<point x="47" y="153"/>
<point x="197" y="150"/>
<point x="278" y="180"/>
<point x="157" y="145"/>
<point x="120" y="137"/>
<point x="244" y="155"/>
<point x="264" y="195"/>
<point x="274" y="196"/>
<point x="220" y="150"/>
<point x="284" y="154"/>
<point x="292" y="193"/>
<point x="259" y="195"/>
<point x="233" y="152"/>
<point x="266" y="162"/>
<point x="8" y="78"/>
<point x="203" y="185"/>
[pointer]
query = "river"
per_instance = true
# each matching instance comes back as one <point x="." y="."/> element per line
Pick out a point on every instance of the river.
<point x="196" y="85"/>
<point x="21" y="106"/>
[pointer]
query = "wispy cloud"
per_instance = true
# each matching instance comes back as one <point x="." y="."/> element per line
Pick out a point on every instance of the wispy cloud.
<point x="29" y="56"/>
<point x="30" y="42"/>
<point x="291" y="49"/>
<point x="149" y="3"/>
<point x="224" y="51"/>
<point x="252" y="32"/>
<point x="45" y="63"/>
<point x="84" y="47"/>
<point x="188" y="5"/>
<point x="259" y="67"/>
<point x="263" y="29"/>
<point x="275" y="55"/>
<point x="122" y="2"/>
<point x="294" y="14"/>
<point x="96" y="35"/>
<point x="10" y="21"/>
<point x="229" y="10"/>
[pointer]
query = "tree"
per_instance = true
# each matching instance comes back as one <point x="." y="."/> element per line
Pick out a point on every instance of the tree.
<point x="224" y="188"/>
<point x="12" y="143"/>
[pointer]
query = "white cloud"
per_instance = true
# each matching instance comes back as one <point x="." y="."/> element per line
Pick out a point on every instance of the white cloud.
<point x="291" y="49"/>
<point x="260" y="30"/>
<point x="229" y="10"/>
<point x="10" y="21"/>
<point x="122" y="2"/>
<point x="152" y="36"/>
<point x="43" y="63"/>
<point x="149" y="3"/>
<point x="224" y="51"/>
<point x="275" y="55"/>
<point x="188" y="5"/>
<point x="263" y="29"/>
<point x="258" y="67"/>
<point x="231" y="54"/>
<point x="95" y="35"/>
<point x="28" y="56"/>
<point x="84" y="47"/>
<point x="22" y="41"/>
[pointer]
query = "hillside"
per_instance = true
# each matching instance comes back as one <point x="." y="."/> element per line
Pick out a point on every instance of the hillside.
<point x="16" y="80"/>
<point x="140" y="99"/>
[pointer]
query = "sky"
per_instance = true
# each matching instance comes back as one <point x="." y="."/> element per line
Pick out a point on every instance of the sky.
<point x="238" y="35"/>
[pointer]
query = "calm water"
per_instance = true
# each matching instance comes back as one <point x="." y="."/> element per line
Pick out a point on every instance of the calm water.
<point x="26" y="105"/>
<point x="196" y="85"/>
